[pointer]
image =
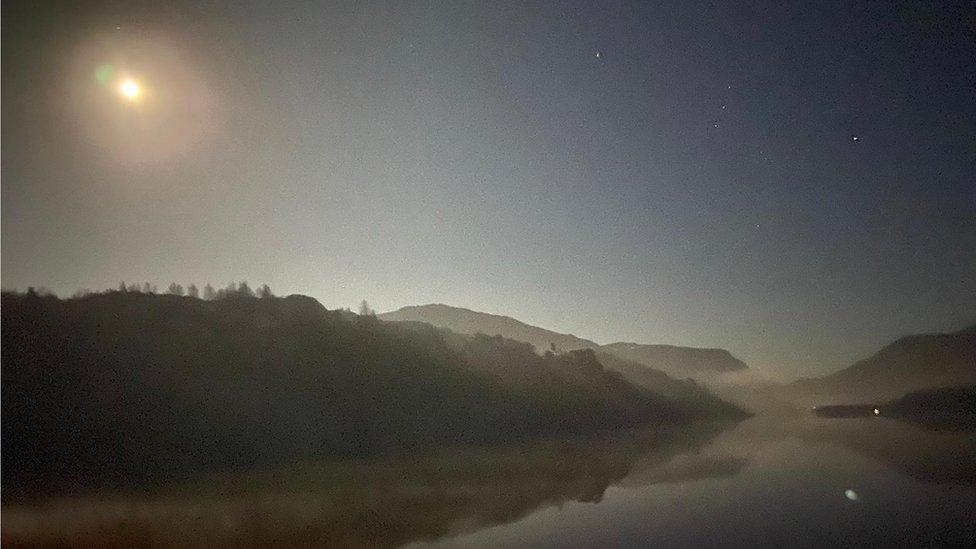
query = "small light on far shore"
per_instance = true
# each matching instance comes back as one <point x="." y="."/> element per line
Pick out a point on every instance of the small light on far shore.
<point x="877" y="412"/>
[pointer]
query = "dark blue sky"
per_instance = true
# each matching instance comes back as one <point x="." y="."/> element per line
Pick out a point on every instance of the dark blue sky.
<point x="697" y="183"/>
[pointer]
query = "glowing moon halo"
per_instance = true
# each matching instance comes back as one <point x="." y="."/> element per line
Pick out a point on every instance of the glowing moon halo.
<point x="130" y="89"/>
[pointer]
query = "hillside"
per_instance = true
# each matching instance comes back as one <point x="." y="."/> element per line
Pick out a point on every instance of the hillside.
<point x="681" y="362"/>
<point x="466" y="321"/>
<point x="944" y="408"/>
<point x="140" y="387"/>
<point x="909" y="364"/>
<point x="686" y="393"/>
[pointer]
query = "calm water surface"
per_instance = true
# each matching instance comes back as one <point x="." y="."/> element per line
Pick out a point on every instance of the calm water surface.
<point x="777" y="479"/>
<point x="809" y="483"/>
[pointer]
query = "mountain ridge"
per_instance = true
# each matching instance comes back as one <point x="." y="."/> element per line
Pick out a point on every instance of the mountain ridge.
<point x="675" y="360"/>
<point x="909" y="363"/>
<point x="539" y="337"/>
<point x="679" y="360"/>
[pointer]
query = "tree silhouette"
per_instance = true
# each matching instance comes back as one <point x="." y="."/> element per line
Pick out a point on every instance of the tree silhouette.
<point x="192" y="290"/>
<point x="229" y="291"/>
<point x="209" y="293"/>
<point x="264" y="292"/>
<point x="243" y="290"/>
<point x="175" y="289"/>
<point x="364" y="309"/>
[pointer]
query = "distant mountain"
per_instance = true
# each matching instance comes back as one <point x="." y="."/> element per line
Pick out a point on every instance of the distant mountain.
<point x="678" y="361"/>
<point x="142" y="387"/>
<point x="909" y="364"/>
<point x="681" y="362"/>
<point x="466" y="321"/>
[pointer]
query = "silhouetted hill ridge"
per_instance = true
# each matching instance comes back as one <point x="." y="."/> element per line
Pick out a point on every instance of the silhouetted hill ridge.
<point x="674" y="360"/>
<point x="129" y="385"/>
<point x="910" y="363"/>
<point x="467" y="321"/>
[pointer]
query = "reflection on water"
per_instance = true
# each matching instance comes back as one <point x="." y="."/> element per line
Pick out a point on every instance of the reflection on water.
<point x="772" y="480"/>
<point x="933" y="456"/>
<point x="780" y="480"/>
<point x="377" y="503"/>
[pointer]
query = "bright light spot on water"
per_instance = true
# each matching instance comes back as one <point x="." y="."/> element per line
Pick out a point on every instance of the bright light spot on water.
<point x="851" y="494"/>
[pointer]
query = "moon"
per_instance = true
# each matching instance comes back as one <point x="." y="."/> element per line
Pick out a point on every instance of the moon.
<point x="130" y="89"/>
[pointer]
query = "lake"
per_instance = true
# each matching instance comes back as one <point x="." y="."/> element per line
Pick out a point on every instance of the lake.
<point x="780" y="478"/>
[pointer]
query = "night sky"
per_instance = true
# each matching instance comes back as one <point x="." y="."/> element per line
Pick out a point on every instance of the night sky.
<point x="796" y="183"/>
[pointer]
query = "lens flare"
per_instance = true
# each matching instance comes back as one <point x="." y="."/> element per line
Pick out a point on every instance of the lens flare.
<point x="104" y="74"/>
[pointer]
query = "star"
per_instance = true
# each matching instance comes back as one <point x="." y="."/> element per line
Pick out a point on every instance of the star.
<point x="855" y="138"/>
<point x="598" y="55"/>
